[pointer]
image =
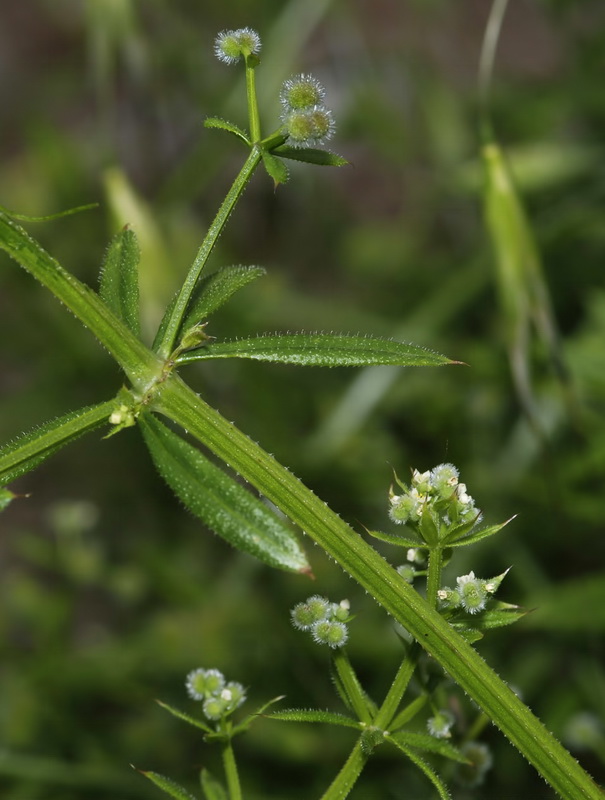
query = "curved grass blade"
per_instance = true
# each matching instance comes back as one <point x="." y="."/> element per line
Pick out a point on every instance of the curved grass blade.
<point x="323" y="158"/>
<point x="119" y="284"/>
<point x="320" y="350"/>
<point x="28" y="450"/>
<point x="168" y="786"/>
<point x="220" y="502"/>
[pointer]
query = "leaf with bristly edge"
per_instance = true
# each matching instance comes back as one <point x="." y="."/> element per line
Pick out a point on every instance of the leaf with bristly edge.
<point x="224" y="505"/>
<point x="430" y="744"/>
<point x="322" y="158"/>
<point x="119" y="285"/>
<point x="315" y="715"/>
<point x="223" y="124"/>
<point x="167" y="785"/>
<point x="320" y="350"/>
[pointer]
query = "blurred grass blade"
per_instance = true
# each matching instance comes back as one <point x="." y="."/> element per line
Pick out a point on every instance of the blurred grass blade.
<point x="169" y="786"/>
<point x="48" y="217"/>
<point x="523" y="291"/>
<point x="323" y="158"/>
<point x="30" y="449"/>
<point x="220" y="502"/>
<point x="119" y="284"/>
<point x="6" y="498"/>
<point x="212" y="788"/>
<point x="215" y="290"/>
<point x="320" y="350"/>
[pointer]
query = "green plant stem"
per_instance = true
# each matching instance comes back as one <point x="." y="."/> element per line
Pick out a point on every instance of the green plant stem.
<point x="140" y="364"/>
<point x="178" y="309"/>
<point x="253" y="115"/>
<point x="351" y="685"/>
<point x="177" y="401"/>
<point x="433" y="581"/>
<point x="486" y="61"/>
<point x="348" y="775"/>
<point x="233" y="785"/>
<point x="388" y="709"/>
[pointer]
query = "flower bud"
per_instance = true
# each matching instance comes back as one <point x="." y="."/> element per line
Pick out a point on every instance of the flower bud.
<point x="472" y="593"/>
<point x="230" y="46"/>
<point x="439" y="725"/>
<point x="309" y="127"/>
<point x="302" y="91"/>
<point x="334" y="634"/>
<point x="304" y="615"/>
<point x="203" y="683"/>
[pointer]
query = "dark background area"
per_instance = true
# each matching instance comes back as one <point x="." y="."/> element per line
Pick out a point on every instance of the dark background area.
<point x="110" y="592"/>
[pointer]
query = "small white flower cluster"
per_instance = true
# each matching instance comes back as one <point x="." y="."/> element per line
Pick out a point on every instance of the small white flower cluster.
<point x="230" y="46"/>
<point x="306" y="120"/>
<point x="438" y="490"/>
<point x="219" y="698"/>
<point x="471" y="593"/>
<point x="325" y="620"/>
<point x="439" y="726"/>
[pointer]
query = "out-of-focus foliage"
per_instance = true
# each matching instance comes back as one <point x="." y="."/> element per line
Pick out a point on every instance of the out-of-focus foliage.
<point x="110" y="593"/>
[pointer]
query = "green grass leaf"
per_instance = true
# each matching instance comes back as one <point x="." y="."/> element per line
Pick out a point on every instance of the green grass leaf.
<point x="119" y="285"/>
<point x="220" y="502"/>
<point x="320" y="350"/>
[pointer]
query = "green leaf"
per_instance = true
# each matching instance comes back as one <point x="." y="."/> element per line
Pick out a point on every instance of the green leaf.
<point x="499" y="614"/>
<point x="349" y="687"/>
<point x="217" y="289"/>
<point x="30" y="449"/>
<point x="430" y="744"/>
<point x="6" y="497"/>
<point x="220" y="502"/>
<point x="476" y="536"/>
<point x="212" y="788"/>
<point x="245" y="724"/>
<point x="119" y="286"/>
<point x="399" y="541"/>
<point x="276" y="169"/>
<point x="313" y="715"/>
<point x="216" y="122"/>
<point x="323" y="158"/>
<point x="169" y="786"/>
<point x="408" y="712"/>
<point x="321" y="350"/>
<point x="185" y="717"/>
<point x="48" y="217"/>
<point x="422" y="765"/>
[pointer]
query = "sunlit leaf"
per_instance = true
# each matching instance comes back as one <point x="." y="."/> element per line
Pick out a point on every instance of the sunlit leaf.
<point x="220" y="502"/>
<point x="320" y="350"/>
<point x="119" y="285"/>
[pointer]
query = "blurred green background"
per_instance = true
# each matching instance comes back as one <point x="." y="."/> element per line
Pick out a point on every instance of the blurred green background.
<point x="110" y="592"/>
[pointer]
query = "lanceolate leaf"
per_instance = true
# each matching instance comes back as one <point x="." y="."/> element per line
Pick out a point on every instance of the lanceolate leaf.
<point x="215" y="290"/>
<point x="428" y="771"/>
<point x="220" y="502"/>
<point x="119" y="278"/>
<point x="399" y="541"/>
<point x="169" y="786"/>
<point x="476" y="536"/>
<point x="27" y="451"/>
<point x="185" y="717"/>
<point x="310" y="155"/>
<point x="212" y="788"/>
<point x="321" y="350"/>
<point x="424" y="741"/>
<point x="311" y="715"/>
<point x="215" y="122"/>
<point x="276" y="168"/>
